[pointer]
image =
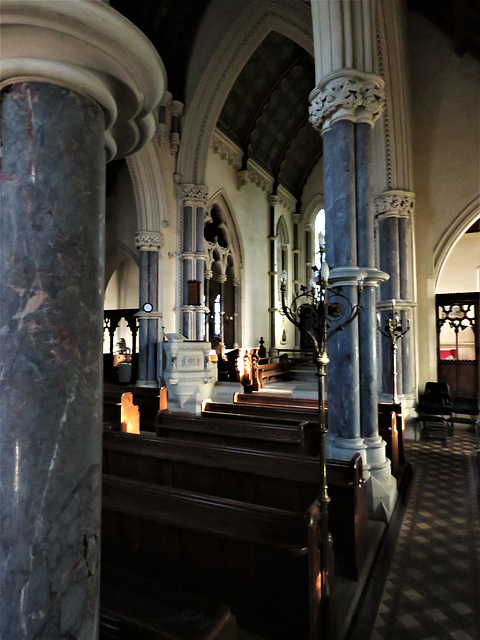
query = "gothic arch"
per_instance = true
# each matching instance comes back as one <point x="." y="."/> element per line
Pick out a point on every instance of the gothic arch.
<point x="452" y="235"/>
<point x="238" y="44"/>
<point x="118" y="253"/>
<point x="146" y="176"/>
<point x="220" y="201"/>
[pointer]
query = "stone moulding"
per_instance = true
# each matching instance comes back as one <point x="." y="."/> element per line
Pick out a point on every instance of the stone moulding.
<point x="93" y="50"/>
<point x="347" y="94"/>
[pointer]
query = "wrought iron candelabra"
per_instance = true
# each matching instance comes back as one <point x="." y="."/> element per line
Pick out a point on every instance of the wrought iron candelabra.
<point x="311" y="312"/>
<point x="394" y="331"/>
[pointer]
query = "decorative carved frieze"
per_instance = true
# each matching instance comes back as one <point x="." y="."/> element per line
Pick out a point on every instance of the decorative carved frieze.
<point x="347" y="94"/>
<point x="196" y="192"/>
<point x="226" y="149"/>
<point x="256" y="176"/>
<point x="286" y="199"/>
<point x="148" y="240"/>
<point x="395" y="204"/>
<point x="272" y="200"/>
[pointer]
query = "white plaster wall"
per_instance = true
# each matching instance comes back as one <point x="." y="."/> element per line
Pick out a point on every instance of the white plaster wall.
<point x="445" y="95"/>
<point x="461" y="270"/>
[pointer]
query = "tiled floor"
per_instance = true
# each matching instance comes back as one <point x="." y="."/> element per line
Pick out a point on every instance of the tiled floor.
<point x="432" y="590"/>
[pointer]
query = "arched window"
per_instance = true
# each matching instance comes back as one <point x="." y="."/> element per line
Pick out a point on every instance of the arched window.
<point x="217" y="316"/>
<point x="319" y="229"/>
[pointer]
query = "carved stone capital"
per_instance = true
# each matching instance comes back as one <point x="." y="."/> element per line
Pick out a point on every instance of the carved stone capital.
<point x="347" y="94"/>
<point x="395" y="204"/>
<point x="148" y="240"/>
<point x="176" y="108"/>
<point x="196" y="193"/>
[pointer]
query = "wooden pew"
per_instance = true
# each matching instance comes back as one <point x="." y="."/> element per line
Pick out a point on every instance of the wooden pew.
<point x="271" y="371"/>
<point x="147" y="400"/>
<point x="135" y="608"/>
<point x="299" y="438"/>
<point x="387" y="407"/>
<point x="263" y="561"/>
<point x="275" y="400"/>
<point x="309" y="407"/>
<point x="258" y="412"/>
<point x="269" y="479"/>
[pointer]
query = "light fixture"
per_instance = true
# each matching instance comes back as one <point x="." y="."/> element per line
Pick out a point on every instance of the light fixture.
<point x="148" y="307"/>
<point x="311" y="312"/>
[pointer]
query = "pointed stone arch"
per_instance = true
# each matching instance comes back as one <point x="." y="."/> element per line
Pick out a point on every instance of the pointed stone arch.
<point x="236" y="47"/>
<point x="223" y="266"/>
<point x="451" y="236"/>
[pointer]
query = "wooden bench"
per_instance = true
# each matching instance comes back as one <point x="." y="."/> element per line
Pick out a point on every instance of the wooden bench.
<point x="135" y="608"/>
<point x="308" y="409"/>
<point x="300" y="438"/>
<point x="387" y="407"/>
<point x="272" y="371"/>
<point x="147" y="400"/>
<point x="269" y="479"/>
<point x="264" y="562"/>
<point x="275" y="400"/>
<point x="258" y="412"/>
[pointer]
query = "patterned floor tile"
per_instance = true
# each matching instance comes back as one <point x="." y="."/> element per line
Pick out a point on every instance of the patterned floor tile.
<point x="432" y="591"/>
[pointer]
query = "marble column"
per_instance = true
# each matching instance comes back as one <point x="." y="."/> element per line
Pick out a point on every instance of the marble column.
<point x="345" y="106"/>
<point x="296" y="274"/>
<point x="236" y="306"/>
<point x="52" y="247"/>
<point x="150" y="336"/>
<point x="63" y="116"/>
<point x="394" y="210"/>
<point x="192" y="259"/>
<point x="272" y="274"/>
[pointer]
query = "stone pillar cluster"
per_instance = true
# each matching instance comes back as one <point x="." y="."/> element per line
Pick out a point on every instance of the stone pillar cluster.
<point x="347" y="101"/>
<point x="150" y="335"/>
<point x="272" y="273"/>
<point x="394" y="210"/>
<point x="62" y="117"/>
<point x="192" y="260"/>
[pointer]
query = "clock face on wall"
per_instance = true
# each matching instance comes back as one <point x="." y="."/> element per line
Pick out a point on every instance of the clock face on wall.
<point x="148" y="306"/>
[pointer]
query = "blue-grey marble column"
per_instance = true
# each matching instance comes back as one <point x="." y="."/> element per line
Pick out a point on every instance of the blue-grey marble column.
<point x="366" y="261"/>
<point x="51" y="247"/>
<point x="272" y="274"/>
<point x="341" y="239"/>
<point x="149" y="244"/>
<point x="394" y="211"/>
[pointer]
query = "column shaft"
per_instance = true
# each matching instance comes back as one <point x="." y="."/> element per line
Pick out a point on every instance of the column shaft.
<point x="341" y="238"/>
<point x="366" y="260"/>
<point x="52" y="246"/>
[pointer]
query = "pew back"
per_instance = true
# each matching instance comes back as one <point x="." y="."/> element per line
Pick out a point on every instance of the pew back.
<point x="281" y="481"/>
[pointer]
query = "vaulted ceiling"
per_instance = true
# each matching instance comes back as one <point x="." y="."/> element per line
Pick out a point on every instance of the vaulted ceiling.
<point x="266" y="112"/>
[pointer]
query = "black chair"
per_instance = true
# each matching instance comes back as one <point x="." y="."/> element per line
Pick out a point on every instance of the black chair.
<point x="435" y="411"/>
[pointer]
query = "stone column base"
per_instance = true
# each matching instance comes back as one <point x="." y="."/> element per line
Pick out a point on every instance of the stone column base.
<point x="346" y="448"/>
<point x="381" y="485"/>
